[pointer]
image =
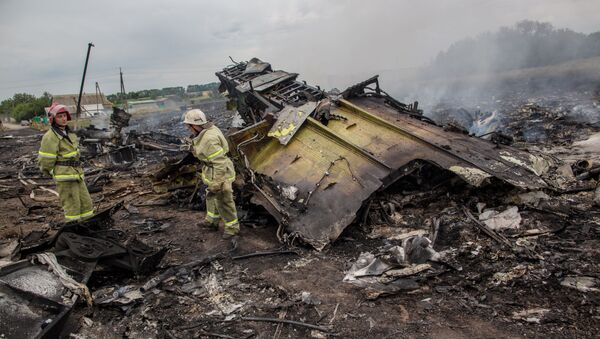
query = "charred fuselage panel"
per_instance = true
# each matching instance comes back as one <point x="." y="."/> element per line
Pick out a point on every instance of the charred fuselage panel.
<point x="319" y="157"/>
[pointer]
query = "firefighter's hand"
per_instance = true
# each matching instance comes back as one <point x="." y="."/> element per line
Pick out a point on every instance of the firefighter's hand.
<point x="186" y="145"/>
<point x="46" y="172"/>
<point x="215" y="187"/>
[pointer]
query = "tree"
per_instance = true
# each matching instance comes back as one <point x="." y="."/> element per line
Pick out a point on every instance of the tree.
<point x="23" y="106"/>
<point x="526" y="44"/>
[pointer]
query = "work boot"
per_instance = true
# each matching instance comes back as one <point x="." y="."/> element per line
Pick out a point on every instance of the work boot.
<point x="229" y="236"/>
<point x="210" y="225"/>
<point x="233" y="239"/>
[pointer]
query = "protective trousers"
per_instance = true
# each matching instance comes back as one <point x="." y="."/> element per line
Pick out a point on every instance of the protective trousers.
<point x="75" y="199"/>
<point x="220" y="205"/>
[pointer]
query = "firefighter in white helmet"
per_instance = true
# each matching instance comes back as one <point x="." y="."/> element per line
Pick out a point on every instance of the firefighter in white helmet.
<point x="59" y="157"/>
<point x="210" y="146"/>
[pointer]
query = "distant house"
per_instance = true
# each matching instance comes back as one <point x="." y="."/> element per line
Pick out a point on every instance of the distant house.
<point x="91" y="104"/>
<point x="150" y="106"/>
<point x="197" y="97"/>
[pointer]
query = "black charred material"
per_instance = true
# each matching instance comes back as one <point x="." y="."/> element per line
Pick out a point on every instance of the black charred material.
<point x="259" y="90"/>
<point x="79" y="246"/>
<point x="362" y="89"/>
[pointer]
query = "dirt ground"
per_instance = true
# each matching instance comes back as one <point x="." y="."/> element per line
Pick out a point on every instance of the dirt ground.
<point x="465" y="298"/>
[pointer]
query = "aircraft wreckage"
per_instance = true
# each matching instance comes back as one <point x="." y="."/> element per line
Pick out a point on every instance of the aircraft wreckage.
<point x="38" y="295"/>
<point x="314" y="158"/>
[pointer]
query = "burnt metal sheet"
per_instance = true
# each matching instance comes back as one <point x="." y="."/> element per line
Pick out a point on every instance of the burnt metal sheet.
<point x="265" y="81"/>
<point x="121" y="156"/>
<point x="331" y="176"/>
<point x="290" y="120"/>
<point x="334" y="168"/>
<point x="253" y="104"/>
<point x="314" y="175"/>
<point x="34" y="302"/>
<point x="399" y="139"/>
<point x="256" y="66"/>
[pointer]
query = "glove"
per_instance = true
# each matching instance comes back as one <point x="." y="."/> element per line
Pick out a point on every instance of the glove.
<point x="215" y="187"/>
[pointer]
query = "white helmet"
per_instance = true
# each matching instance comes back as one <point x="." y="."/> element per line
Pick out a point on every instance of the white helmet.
<point x="194" y="117"/>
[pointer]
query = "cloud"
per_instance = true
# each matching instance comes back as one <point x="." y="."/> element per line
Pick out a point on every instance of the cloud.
<point x="160" y="44"/>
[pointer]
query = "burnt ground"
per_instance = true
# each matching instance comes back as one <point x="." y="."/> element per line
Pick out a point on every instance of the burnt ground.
<point x="478" y="292"/>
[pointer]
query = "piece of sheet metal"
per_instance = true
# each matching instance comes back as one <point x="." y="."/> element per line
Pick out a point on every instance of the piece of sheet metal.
<point x="332" y="177"/>
<point x="121" y="156"/>
<point x="290" y="120"/>
<point x="399" y="139"/>
<point x="265" y="81"/>
<point x="333" y="169"/>
<point x="255" y="66"/>
<point x="35" y="302"/>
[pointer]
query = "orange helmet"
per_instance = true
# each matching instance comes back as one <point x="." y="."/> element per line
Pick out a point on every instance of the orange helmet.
<point x="55" y="109"/>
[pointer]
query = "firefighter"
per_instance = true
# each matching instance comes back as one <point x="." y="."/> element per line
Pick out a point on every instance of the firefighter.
<point x="210" y="146"/>
<point x="59" y="157"/>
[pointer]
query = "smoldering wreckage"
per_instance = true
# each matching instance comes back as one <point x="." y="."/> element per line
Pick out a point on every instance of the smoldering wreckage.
<point x="387" y="222"/>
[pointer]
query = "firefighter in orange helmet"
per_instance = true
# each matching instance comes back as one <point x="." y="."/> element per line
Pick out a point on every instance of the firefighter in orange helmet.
<point x="59" y="157"/>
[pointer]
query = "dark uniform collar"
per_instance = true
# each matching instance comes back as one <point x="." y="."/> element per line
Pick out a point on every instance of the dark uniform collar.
<point x="62" y="134"/>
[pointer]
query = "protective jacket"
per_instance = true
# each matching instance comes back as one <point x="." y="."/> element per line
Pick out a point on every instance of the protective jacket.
<point x="60" y="148"/>
<point x="211" y="147"/>
<point x="59" y="158"/>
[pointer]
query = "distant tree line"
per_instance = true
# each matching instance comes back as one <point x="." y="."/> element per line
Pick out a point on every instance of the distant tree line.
<point x="526" y="44"/>
<point x="23" y="106"/>
<point x="155" y="93"/>
<point x="213" y="86"/>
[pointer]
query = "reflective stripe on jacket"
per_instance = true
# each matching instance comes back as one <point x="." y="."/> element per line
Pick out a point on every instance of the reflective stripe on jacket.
<point x="211" y="147"/>
<point x="56" y="148"/>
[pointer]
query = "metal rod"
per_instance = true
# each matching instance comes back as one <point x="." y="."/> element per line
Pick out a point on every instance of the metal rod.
<point x="285" y="321"/>
<point x="488" y="231"/>
<point x="258" y="254"/>
<point x="90" y="45"/>
<point x="123" y="94"/>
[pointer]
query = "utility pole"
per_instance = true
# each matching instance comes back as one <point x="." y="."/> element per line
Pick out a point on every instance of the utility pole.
<point x="123" y="94"/>
<point x="90" y="45"/>
<point x="98" y="98"/>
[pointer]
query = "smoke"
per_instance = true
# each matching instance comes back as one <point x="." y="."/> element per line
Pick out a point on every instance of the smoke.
<point x="492" y="75"/>
<point x="101" y="121"/>
<point x="170" y="122"/>
<point x="587" y="113"/>
<point x="165" y="122"/>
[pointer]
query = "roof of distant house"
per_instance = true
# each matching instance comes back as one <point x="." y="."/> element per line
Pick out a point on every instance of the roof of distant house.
<point x="86" y="99"/>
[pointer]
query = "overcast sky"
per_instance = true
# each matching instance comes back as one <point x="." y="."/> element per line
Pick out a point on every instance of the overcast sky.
<point x="176" y="43"/>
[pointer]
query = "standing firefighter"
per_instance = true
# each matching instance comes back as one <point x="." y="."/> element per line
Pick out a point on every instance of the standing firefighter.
<point x="59" y="158"/>
<point x="210" y="146"/>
